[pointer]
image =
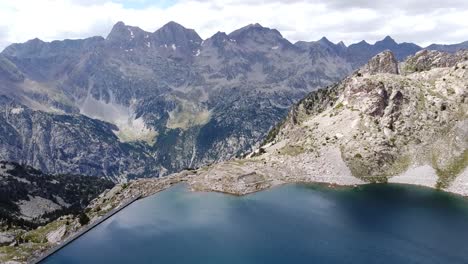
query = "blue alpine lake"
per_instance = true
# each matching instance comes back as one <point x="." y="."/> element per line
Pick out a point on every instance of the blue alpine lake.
<point x="288" y="224"/>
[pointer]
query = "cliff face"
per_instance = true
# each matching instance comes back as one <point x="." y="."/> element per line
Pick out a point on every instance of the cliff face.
<point x="384" y="123"/>
<point x="72" y="144"/>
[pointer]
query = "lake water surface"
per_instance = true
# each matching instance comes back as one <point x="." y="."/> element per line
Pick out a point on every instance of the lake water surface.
<point x="288" y="224"/>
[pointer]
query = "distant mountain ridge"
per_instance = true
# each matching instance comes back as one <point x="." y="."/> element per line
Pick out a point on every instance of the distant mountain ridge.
<point x="151" y="103"/>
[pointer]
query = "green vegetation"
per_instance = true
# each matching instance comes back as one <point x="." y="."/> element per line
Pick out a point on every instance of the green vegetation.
<point x="20" y="253"/>
<point x="273" y="132"/>
<point x="377" y="168"/>
<point x="449" y="172"/>
<point x="39" y="235"/>
<point x="292" y="150"/>
<point x="242" y="162"/>
<point x="339" y="106"/>
<point x="83" y="219"/>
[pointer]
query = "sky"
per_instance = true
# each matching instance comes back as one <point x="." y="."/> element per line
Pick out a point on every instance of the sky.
<point x="420" y="21"/>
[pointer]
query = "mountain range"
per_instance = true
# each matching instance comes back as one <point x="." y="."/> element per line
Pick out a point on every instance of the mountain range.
<point x="388" y="121"/>
<point x="146" y="104"/>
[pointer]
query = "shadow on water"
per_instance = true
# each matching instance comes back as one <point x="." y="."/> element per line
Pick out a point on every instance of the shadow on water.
<point x="396" y="193"/>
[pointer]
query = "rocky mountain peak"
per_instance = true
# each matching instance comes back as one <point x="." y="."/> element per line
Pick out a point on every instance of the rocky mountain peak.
<point x="341" y="45"/>
<point x="174" y="33"/>
<point x="384" y="62"/>
<point x="32" y="46"/>
<point x="388" y="40"/>
<point x="122" y="34"/>
<point x="257" y="33"/>
<point x="118" y="29"/>
<point x="325" y="41"/>
<point x="217" y="39"/>
<point x="448" y="47"/>
<point x="362" y="43"/>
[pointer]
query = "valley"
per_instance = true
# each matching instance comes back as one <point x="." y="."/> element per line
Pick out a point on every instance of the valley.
<point x="148" y="104"/>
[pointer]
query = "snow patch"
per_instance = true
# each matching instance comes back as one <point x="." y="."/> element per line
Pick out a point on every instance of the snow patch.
<point x="148" y="45"/>
<point x="198" y="53"/>
<point x="16" y="110"/>
<point x="173" y="46"/>
<point x="131" y="33"/>
<point x="275" y="48"/>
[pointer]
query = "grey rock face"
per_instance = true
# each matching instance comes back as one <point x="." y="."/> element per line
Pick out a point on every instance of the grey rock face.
<point x="72" y="144"/>
<point x="9" y="72"/>
<point x="427" y="59"/>
<point x="383" y="62"/>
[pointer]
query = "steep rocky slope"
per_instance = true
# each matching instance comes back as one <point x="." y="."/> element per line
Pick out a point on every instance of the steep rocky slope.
<point x="73" y="144"/>
<point x="29" y="198"/>
<point x="385" y="123"/>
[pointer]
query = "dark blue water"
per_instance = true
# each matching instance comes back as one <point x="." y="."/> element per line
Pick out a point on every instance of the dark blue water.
<point x="289" y="224"/>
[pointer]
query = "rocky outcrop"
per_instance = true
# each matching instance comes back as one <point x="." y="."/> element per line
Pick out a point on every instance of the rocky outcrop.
<point x="383" y="62"/>
<point x="7" y="238"/>
<point x="427" y="59"/>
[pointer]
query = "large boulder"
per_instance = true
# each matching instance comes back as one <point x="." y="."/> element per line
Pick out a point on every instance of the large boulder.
<point x="384" y="62"/>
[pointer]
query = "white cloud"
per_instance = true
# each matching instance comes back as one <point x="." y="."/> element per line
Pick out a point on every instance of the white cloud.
<point x="423" y="22"/>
